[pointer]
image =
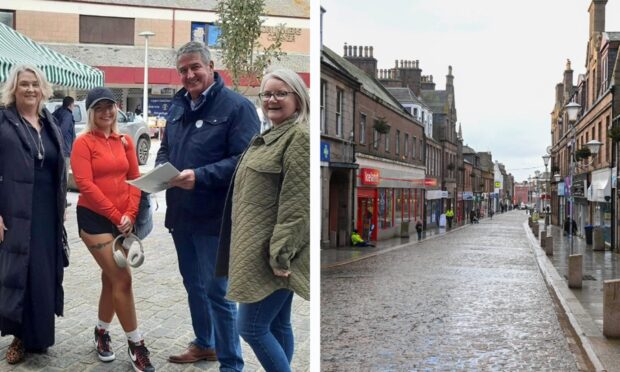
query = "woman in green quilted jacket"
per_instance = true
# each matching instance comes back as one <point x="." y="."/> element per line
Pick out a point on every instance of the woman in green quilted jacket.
<point x="270" y="238"/>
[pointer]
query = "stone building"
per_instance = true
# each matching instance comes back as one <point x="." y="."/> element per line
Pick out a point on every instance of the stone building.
<point x="591" y="187"/>
<point x="389" y="149"/>
<point x="337" y="98"/>
<point x="105" y="34"/>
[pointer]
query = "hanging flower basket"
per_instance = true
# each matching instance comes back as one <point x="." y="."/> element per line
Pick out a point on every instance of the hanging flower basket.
<point x="450" y="166"/>
<point x="382" y="126"/>
<point x="582" y="153"/>
<point x="614" y="134"/>
<point x="555" y="169"/>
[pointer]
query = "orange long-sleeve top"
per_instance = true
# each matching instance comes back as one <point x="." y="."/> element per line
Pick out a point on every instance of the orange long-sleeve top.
<point x="100" y="168"/>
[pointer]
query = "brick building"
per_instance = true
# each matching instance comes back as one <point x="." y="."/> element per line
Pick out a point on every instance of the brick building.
<point x="105" y="34"/>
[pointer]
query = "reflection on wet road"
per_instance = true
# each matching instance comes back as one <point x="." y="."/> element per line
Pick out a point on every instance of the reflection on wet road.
<point x="472" y="300"/>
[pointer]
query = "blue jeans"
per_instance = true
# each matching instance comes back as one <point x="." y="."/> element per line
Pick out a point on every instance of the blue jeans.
<point x="213" y="317"/>
<point x="266" y="326"/>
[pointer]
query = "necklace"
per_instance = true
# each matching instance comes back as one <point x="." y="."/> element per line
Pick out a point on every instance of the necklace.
<point x="39" y="146"/>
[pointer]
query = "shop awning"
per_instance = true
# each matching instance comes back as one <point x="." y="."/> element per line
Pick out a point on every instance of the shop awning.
<point x="600" y="186"/>
<point x="59" y="69"/>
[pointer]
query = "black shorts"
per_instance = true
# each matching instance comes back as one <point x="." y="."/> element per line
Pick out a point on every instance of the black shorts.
<point x="94" y="223"/>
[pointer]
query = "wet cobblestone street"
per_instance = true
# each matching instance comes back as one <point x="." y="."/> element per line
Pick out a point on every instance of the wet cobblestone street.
<point x="473" y="299"/>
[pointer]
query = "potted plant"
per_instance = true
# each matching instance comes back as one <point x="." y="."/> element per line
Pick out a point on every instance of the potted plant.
<point x="582" y="153"/>
<point x="381" y="125"/>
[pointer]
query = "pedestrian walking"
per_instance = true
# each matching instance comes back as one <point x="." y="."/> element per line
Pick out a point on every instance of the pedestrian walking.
<point x="102" y="161"/>
<point x="32" y="206"/>
<point x="270" y="235"/>
<point x="418" y="228"/>
<point x="208" y="127"/>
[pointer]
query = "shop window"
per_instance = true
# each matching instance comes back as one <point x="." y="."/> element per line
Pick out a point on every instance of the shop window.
<point x="385" y="208"/>
<point x="107" y="30"/>
<point x="206" y="33"/>
<point x="398" y="204"/>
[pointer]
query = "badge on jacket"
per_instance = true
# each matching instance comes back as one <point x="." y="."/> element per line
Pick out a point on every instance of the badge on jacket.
<point x="199" y="124"/>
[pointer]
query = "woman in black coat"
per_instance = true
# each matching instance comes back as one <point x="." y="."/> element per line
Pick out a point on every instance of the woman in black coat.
<point x="32" y="207"/>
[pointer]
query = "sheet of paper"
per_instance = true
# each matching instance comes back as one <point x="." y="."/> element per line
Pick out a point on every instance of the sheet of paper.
<point x="157" y="179"/>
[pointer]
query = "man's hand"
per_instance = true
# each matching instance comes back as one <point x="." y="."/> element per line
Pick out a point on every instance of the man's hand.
<point x="185" y="180"/>
<point x="2" y="229"/>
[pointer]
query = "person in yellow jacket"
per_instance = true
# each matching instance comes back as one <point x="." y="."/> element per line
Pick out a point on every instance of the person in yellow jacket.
<point x="449" y="217"/>
<point x="357" y="240"/>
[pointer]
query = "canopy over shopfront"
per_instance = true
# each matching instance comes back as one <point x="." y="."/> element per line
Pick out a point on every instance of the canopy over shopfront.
<point x="16" y="49"/>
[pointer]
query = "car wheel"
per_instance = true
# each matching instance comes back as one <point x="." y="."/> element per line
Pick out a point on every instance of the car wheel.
<point x="142" y="149"/>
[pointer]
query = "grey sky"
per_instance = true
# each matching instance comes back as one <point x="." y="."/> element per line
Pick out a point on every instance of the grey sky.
<point x="507" y="57"/>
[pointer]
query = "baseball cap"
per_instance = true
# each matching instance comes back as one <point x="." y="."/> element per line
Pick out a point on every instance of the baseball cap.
<point x="98" y="94"/>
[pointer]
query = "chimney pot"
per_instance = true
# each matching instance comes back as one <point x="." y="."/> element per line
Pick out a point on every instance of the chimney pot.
<point x="345" y="49"/>
<point x="370" y="51"/>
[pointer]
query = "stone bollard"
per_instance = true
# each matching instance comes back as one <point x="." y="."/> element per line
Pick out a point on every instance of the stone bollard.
<point x="575" y="270"/>
<point x="549" y="245"/>
<point x="611" y="308"/>
<point x="543" y="236"/>
<point x="535" y="229"/>
<point x="529" y="221"/>
<point x="598" y="239"/>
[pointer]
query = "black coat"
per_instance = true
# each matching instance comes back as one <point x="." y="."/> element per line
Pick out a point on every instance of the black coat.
<point x="16" y="187"/>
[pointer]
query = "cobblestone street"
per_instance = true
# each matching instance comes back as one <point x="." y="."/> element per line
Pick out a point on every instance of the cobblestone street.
<point x="473" y="299"/>
<point x="162" y="310"/>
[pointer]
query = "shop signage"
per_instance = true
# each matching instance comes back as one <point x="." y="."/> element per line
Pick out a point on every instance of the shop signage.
<point x="468" y="195"/>
<point x="370" y="176"/>
<point x="430" y="182"/>
<point x="498" y="185"/>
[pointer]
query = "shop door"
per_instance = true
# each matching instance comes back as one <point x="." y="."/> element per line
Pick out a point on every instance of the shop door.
<point x="366" y="217"/>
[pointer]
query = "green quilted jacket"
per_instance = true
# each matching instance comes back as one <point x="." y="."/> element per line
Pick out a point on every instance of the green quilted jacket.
<point x="271" y="215"/>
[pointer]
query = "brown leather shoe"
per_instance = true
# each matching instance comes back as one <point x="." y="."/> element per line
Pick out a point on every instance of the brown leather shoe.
<point x="192" y="354"/>
<point x="15" y="352"/>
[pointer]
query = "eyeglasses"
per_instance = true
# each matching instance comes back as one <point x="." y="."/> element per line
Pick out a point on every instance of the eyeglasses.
<point x="279" y="95"/>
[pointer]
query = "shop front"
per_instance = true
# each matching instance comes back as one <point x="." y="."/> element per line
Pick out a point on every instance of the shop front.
<point x="599" y="196"/>
<point x="389" y="198"/>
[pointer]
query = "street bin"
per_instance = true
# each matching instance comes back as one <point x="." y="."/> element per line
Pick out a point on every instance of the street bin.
<point x="588" y="229"/>
<point x="404" y="229"/>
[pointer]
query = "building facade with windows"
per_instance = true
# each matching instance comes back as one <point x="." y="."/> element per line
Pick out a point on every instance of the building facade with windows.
<point x="390" y="180"/>
<point x="592" y="188"/>
<point x="337" y="97"/>
<point x="105" y="34"/>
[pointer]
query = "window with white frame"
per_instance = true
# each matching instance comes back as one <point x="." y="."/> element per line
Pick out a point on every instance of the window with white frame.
<point x="413" y="147"/>
<point x="397" y="139"/>
<point x="387" y="142"/>
<point x="323" y="100"/>
<point x="362" y="137"/>
<point x="376" y="136"/>
<point x="339" y="111"/>
<point x="406" y="146"/>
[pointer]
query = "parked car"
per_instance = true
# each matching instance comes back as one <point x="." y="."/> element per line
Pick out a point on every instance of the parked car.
<point x="130" y="125"/>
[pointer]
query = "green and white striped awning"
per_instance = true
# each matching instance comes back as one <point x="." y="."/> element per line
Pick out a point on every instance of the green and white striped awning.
<point x="16" y="49"/>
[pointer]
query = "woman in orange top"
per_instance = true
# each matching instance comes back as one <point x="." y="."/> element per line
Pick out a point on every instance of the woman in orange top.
<point x="102" y="160"/>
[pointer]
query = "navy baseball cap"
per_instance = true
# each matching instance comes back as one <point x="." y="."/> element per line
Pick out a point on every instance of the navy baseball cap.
<point x="98" y="94"/>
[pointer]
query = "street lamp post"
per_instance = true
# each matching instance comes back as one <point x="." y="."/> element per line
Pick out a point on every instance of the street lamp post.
<point x="547" y="187"/>
<point x="145" y="93"/>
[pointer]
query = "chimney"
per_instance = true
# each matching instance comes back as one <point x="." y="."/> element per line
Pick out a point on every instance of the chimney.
<point x="362" y="58"/>
<point x="568" y="82"/>
<point x="597" y="17"/>
<point x="427" y="83"/>
<point x="410" y="75"/>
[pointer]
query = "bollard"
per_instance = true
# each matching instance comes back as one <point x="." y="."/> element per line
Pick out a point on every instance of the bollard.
<point x="598" y="239"/>
<point x="543" y="236"/>
<point x="611" y="308"/>
<point x="529" y="221"/>
<point x="549" y="245"/>
<point x="575" y="270"/>
<point x="535" y="229"/>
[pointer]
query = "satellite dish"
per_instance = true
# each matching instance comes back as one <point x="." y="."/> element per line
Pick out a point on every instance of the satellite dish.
<point x="549" y="150"/>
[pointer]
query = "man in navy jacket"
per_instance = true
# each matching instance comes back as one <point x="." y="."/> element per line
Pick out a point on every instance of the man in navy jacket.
<point x="208" y="127"/>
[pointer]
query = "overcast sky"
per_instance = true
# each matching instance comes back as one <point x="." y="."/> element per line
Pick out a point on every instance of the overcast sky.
<point x="507" y="57"/>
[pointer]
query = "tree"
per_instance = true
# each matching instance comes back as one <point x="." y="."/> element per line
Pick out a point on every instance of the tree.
<point x="240" y="30"/>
